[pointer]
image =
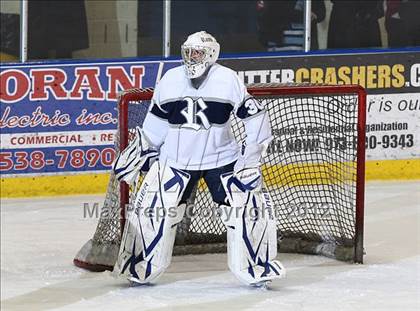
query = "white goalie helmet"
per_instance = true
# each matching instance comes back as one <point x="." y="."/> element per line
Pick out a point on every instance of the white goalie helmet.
<point x="199" y="52"/>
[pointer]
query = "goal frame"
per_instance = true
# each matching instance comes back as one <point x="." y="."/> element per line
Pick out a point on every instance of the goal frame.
<point x="263" y="90"/>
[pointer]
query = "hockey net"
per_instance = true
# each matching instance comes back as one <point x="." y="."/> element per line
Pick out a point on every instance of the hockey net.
<point x="314" y="171"/>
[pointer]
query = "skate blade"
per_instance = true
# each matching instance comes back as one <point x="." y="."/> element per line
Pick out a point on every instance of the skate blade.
<point x="135" y="282"/>
<point x="262" y="284"/>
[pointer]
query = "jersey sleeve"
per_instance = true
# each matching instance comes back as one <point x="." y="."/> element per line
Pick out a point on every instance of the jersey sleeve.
<point x="257" y="129"/>
<point x="155" y="125"/>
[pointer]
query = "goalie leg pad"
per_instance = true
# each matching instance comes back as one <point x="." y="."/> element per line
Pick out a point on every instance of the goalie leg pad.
<point x="149" y="233"/>
<point x="251" y="229"/>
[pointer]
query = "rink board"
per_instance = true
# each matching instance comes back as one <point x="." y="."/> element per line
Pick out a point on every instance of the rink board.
<point x="407" y="169"/>
<point x="73" y="152"/>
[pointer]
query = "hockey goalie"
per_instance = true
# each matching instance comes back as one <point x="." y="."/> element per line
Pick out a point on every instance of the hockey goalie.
<point x="188" y="130"/>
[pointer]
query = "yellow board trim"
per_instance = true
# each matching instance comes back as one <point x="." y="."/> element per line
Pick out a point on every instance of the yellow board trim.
<point x="408" y="169"/>
<point x="298" y="174"/>
<point x="13" y="187"/>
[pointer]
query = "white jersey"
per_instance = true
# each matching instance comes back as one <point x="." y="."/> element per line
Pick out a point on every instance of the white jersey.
<point x="192" y="127"/>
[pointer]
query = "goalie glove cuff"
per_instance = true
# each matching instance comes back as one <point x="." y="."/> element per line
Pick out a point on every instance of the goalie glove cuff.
<point x="138" y="156"/>
<point x="251" y="154"/>
<point x="251" y="157"/>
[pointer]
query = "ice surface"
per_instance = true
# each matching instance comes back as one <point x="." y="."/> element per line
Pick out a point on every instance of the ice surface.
<point x="39" y="238"/>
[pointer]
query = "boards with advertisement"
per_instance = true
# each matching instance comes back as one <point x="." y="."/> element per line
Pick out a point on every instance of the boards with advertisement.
<point x="59" y="119"/>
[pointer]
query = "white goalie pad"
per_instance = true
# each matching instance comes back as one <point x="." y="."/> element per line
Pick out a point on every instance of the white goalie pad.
<point x="251" y="228"/>
<point x="149" y="233"/>
<point x="137" y="157"/>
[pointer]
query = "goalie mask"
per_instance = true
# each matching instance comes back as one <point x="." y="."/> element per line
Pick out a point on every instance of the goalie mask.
<point x="199" y="52"/>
